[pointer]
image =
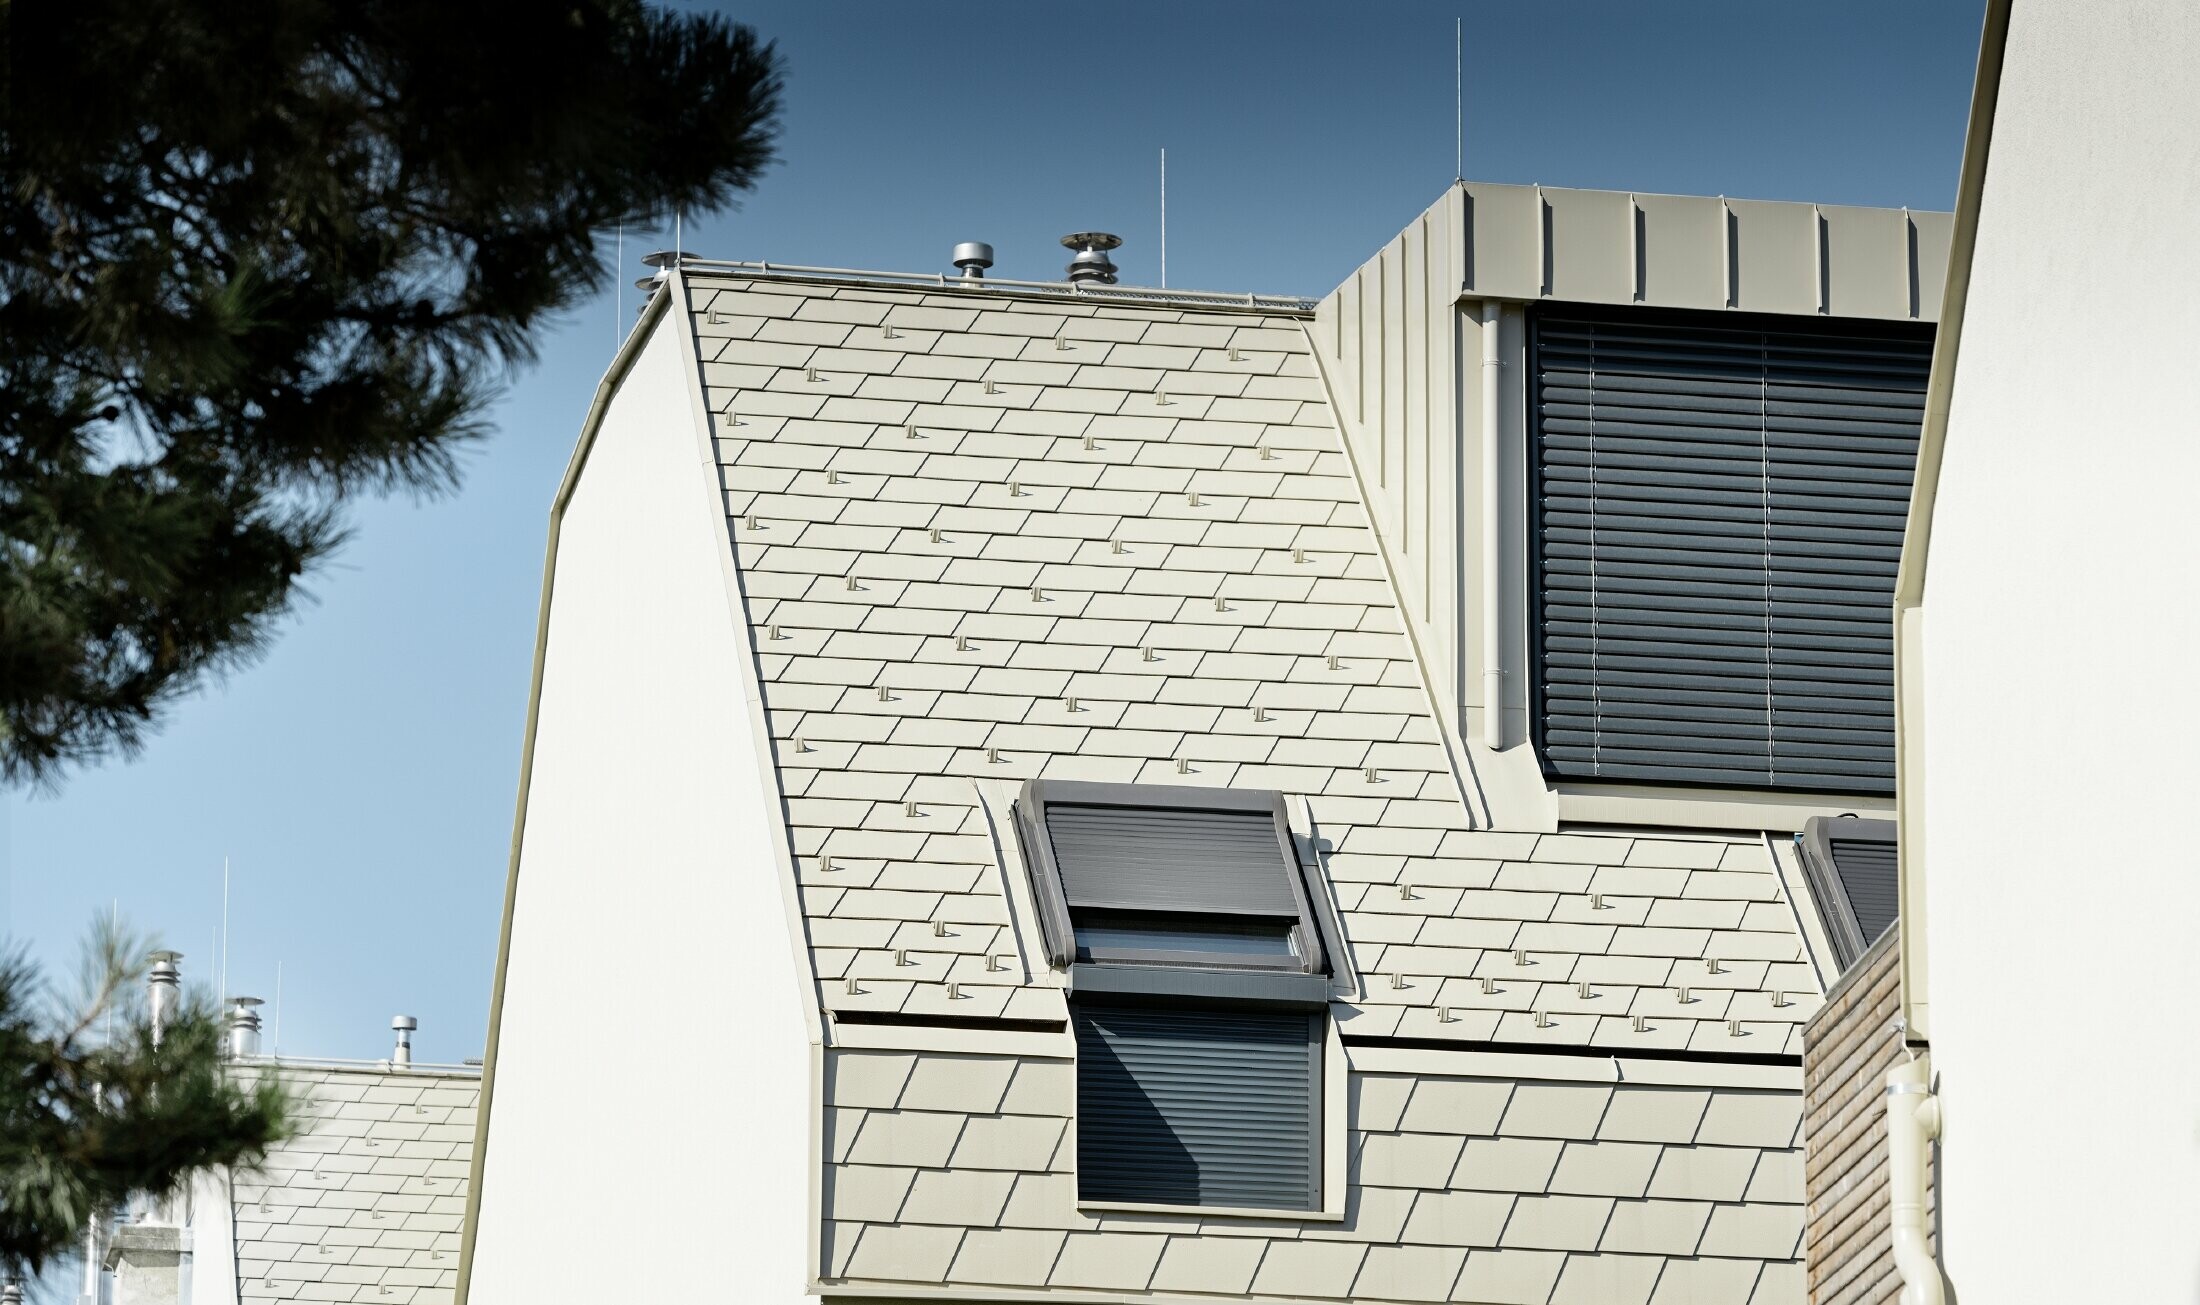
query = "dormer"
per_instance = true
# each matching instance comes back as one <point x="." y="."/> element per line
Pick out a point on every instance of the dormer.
<point x="1640" y="464"/>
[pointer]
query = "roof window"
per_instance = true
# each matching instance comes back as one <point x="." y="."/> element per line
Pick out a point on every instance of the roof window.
<point x="1198" y="992"/>
<point x="1853" y="871"/>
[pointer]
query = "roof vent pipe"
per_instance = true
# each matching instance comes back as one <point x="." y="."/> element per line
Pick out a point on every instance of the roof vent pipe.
<point x="403" y="1053"/>
<point x="973" y="257"/>
<point x="1091" y="260"/>
<point x="244" y="1027"/>
<point x="163" y="989"/>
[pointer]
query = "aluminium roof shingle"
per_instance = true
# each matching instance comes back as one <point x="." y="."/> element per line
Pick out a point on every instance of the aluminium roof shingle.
<point x="989" y="538"/>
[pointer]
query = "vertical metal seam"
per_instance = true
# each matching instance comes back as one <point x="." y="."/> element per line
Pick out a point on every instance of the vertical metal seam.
<point x="1821" y="255"/>
<point x="1726" y="251"/>
<point x="1635" y="261"/>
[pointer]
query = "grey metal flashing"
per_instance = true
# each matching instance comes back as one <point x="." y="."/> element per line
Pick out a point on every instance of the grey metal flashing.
<point x="1850" y="864"/>
<point x="1050" y="883"/>
<point x="1003" y="288"/>
<point x="420" y="1068"/>
<point x="1307" y="991"/>
<point x="1522" y="244"/>
<point x="1684" y="1055"/>
<point x="1917" y="535"/>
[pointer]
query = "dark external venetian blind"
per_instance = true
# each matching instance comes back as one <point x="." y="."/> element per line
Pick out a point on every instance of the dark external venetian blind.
<point x="1854" y="871"/>
<point x="1182" y="1106"/>
<point x="1164" y="859"/>
<point x="1869" y="873"/>
<point x="1719" y="512"/>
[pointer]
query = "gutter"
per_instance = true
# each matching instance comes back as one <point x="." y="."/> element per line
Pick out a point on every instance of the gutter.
<point x="1913" y="1125"/>
<point x="1909" y="590"/>
<point x="621" y="364"/>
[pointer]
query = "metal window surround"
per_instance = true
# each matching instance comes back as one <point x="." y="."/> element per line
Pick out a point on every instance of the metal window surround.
<point x="1179" y="853"/>
<point x="1719" y="504"/>
<point x="1853" y="870"/>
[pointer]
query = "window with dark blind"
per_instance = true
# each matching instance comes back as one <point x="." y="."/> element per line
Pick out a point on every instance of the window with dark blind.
<point x="1855" y="877"/>
<point x="1202" y="1107"/>
<point x="1149" y="874"/>
<point x="1198" y="990"/>
<point x="1718" y="511"/>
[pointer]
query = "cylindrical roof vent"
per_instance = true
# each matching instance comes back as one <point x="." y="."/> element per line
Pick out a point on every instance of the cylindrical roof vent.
<point x="404" y="1025"/>
<point x="1091" y="260"/>
<point x="973" y="257"/>
<point x="163" y="989"/>
<point x="244" y="1026"/>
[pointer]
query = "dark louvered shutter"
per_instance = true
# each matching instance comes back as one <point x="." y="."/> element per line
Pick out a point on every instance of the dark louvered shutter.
<point x="1855" y="877"/>
<point x="1872" y="879"/>
<point x="1198" y="1107"/>
<point x="1169" y="859"/>
<point x="1719" y="513"/>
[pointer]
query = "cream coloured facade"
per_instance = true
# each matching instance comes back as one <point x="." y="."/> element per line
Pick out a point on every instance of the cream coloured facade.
<point x="845" y="560"/>
<point x="2044" y="628"/>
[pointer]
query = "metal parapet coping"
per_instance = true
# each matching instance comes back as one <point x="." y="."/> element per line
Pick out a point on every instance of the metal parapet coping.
<point x="1067" y="290"/>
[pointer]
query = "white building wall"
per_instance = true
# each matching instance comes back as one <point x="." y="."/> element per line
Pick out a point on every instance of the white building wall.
<point x="2059" y="632"/>
<point x="652" y="1075"/>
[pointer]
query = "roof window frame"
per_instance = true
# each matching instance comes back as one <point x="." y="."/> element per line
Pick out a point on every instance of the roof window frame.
<point x="1058" y="928"/>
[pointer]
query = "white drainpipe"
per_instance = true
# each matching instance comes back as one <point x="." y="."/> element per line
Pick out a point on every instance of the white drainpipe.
<point x="1493" y="607"/>
<point x="1913" y="1122"/>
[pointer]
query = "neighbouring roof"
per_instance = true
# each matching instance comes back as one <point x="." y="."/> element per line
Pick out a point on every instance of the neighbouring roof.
<point x="1854" y="874"/>
<point x="956" y="509"/>
<point x="367" y="1202"/>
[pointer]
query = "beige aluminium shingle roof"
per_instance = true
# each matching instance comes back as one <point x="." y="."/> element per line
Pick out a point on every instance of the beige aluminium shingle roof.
<point x="367" y="1201"/>
<point x="957" y="513"/>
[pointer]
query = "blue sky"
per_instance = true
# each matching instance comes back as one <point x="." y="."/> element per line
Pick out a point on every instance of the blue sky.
<point x="360" y="778"/>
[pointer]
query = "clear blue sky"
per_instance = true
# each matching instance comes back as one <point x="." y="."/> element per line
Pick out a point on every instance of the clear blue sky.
<point x="360" y="778"/>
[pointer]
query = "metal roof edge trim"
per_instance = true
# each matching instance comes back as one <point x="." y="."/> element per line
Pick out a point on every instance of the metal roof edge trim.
<point x="423" y="1069"/>
<point x="1917" y="531"/>
<point x="752" y="689"/>
<point x="1582" y="1065"/>
<point x="1474" y="288"/>
<point x="1049" y="291"/>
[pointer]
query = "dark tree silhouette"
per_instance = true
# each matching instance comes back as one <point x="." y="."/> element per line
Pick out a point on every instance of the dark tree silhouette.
<point x="94" y="1109"/>
<point x="257" y="258"/>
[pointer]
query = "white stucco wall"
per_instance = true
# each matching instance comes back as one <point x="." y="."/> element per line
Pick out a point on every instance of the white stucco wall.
<point x="649" y="1131"/>
<point x="2059" y="635"/>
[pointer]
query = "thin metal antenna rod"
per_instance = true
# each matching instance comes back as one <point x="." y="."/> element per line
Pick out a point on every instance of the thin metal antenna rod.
<point x="278" y="1051"/>
<point x="1458" y="101"/>
<point x="222" y="980"/>
<point x="1164" y="219"/>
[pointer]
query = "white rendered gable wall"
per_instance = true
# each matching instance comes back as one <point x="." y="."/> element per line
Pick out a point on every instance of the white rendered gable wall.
<point x="2058" y="629"/>
<point x="647" y="884"/>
